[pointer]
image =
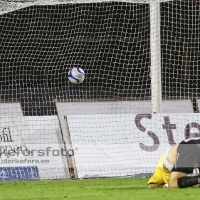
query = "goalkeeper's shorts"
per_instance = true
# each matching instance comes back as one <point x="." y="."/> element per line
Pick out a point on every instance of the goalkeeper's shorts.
<point x="188" y="155"/>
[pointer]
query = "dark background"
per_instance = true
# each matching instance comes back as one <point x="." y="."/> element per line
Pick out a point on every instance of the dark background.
<point x="109" y="41"/>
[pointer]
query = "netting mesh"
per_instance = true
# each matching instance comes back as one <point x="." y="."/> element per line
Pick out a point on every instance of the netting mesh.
<point x="41" y="43"/>
<point x="180" y="48"/>
<point x="109" y="40"/>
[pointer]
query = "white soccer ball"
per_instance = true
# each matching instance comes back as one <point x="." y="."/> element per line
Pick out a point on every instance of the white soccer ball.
<point x="76" y="75"/>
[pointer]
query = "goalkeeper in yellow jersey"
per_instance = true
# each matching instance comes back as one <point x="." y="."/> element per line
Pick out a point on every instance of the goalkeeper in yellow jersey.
<point x="164" y="166"/>
<point x="174" y="166"/>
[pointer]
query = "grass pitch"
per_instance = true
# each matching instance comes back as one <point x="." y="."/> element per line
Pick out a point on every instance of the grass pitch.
<point x="92" y="189"/>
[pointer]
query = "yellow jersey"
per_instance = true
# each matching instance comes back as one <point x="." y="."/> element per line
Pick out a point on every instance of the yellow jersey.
<point x="161" y="174"/>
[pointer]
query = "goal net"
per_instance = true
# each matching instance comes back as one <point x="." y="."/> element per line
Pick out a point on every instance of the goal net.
<point x="139" y="57"/>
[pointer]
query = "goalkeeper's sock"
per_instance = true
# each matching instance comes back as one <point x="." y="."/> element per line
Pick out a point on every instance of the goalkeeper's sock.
<point x="188" y="181"/>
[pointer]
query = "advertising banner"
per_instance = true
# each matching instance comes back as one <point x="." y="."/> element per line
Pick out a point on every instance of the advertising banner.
<point x="31" y="148"/>
<point x="10" y="109"/>
<point x="110" y="145"/>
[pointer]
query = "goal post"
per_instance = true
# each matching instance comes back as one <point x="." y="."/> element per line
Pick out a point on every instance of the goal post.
<point x="155" y="48"/>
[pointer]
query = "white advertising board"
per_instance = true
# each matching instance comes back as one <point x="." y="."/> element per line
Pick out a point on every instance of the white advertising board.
<point x="121" y="107"/>
<point x="109" y="145"/>
<point x="116" y="107"/>
<point x="30" y="148"/>
<point x="10" y="109"/>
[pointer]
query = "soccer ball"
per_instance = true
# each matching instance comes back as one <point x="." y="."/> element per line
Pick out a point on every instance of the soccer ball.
<point x="76" y="75"/>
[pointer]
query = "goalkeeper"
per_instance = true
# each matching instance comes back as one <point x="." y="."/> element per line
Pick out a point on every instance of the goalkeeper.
<point x="174" y="166"/>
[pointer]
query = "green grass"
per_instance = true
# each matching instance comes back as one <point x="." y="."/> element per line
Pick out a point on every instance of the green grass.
<point x="92" y="189"/>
